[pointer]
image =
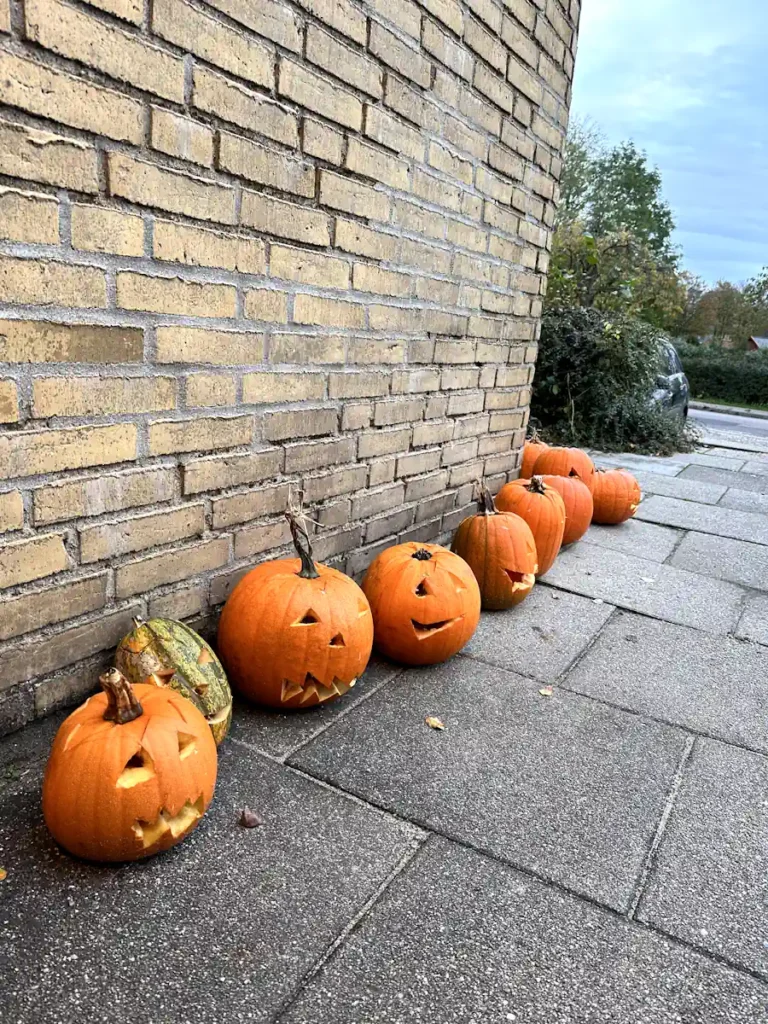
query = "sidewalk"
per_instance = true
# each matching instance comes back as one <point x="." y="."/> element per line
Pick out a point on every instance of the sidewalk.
<point x="597" y="855"/>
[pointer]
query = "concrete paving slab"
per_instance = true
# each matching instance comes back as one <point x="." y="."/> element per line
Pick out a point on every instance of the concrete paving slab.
<point x="639" y="463"/>
<point x="736" y="453"/>
<point x="707" y="458"/>
<point x="676" y="487"/>
<point x="745" y="501"/>
<point x="277" y="733"/>
<point x="757" y="466"/>
<point x="461" y="939"/>
<point x="753" y="624"/>
<point x="714" y="685"/>
<point x="709" y="885"/>
<point x="724" y="559"/>
<point x="557" y="784"/>
<point x="221" y="929"/>
<point x="688" y="515"/>
<point x="645" y="586"/>
<point x="647" y="540"/>
<point x="744" y="481"/>
<point x="542" y="636"/>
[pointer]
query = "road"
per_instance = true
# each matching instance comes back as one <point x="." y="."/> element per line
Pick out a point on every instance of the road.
<point x="720" y="421"/>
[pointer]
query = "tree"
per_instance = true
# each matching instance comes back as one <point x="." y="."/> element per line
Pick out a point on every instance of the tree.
<point x="584" y="144"/>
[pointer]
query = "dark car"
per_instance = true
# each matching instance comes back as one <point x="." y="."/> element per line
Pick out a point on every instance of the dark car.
<point x="672" y="391"/>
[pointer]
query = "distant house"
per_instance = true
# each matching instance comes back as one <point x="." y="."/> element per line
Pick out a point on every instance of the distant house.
<point x="754" y="344"/>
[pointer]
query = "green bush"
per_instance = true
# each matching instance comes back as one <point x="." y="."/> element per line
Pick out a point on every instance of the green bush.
<point x="737" y="377"/>
<point x="594" y="377"/>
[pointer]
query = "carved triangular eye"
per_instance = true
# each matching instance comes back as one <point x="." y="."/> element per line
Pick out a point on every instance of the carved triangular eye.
<point x="138" y="769"/>
<point x="573" y="473"/>
<point x="186" y="745"/>
<point x="423" y="589"/>
<point x="337" y="641"/>
<point x="309" y="618"/>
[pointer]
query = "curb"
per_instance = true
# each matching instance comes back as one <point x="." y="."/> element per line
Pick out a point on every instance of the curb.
<point x="730" y="410"/>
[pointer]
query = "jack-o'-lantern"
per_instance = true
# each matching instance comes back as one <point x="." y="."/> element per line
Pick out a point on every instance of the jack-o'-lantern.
<point x="169" y="653"/>
<point x="425" y="602"/>
<point x="293" y="633"/>
<point x="616" y="496"/>
<point x="578" y="505"/>
<point x="500" y="550"/>
<point x="532" y="449"/>
<point x="130" y="773"/>
<point x="571" y="462"/>
<point x="543" y="510"/>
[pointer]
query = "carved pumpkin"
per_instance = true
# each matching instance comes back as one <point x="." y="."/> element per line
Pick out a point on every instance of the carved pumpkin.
<point x="543" y="510"/>
<point x="425" y="602"/>
<point x="578" y="505"/>
<point x="130" y="773"/>
<point x="168" y="653"/>
<point x="566" y="462"/>
<point x="500" y="550"/>
<point x="616" y="496"/>
<point x="532" y="449"/>
<point x="294" y="634"/>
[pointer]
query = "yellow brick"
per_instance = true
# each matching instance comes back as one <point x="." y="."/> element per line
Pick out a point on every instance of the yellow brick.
<point x="70" y="100"/>
<point x="273" y="388"/>
<point x="98" y="229"/>
<point x="43" y="156"/>
<point x="353" y="197"/>
<point x="323" y="142"/>
<point x="110" y="540"/>
<point x="369" y="278"/>
<point x="326" y="52"/>
<point x="5" y="16"/>
<point x="181" y="563"/>
<point x="205" y="434"/>
<point x="389" y="131"/>
<point x="444" y="47"/>
<point x="403" y="13"/>
<point x="210" y="389"/>
<point x="171" y="295"/>
<point x="27" y="453"/>
<point x="396" y="318"/>
<point x="436" y="190"/>
<point x="310" y="309"/>
<point x="343" y="15"/>
<point x="249" y="160"/>
<point x="316" y="93"/>
<point x="91" y="41"/>
<point x="523" y="80"/>
<point x="181" y="137"/>
<point x="101" y="396"/>
<point x="364" y="351"/>
<point x="128" y="10"/>
<point x="28" y="217"/>
<point x="11" y="512"/>
<point x="213" y="40"/>
<point x="26" y="341"/>
<point x="399" y="56"/>
<point x="449" y="12"/>
<point x="179" y="604"/>
<point x="354" y="237"/>
<point x="180" y="243"/>
<point x="50" y="283"/>
<point x="447" y="162"/>
<point x="267" y="18"/>
<point x="107" y="492"/>
<point x="266" y="304"/>
<point x="375" y="163"/>
<point x="219" y="471"/>
<point x="195" y="345"/>
<point x="275" y="217"/>
<point x="9" y="402"/>
<point x="27" y="560"/>
<point x="492" y="86"/>
<point x="149" y="185"/>
<point x="218" y="95"/>
<point x="41" y="608"/>
<point x="308" y="267"/>
<point x="306" y="348"/>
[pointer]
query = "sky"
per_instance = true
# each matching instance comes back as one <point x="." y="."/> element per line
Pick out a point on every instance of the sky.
<point x="688" y="81"/>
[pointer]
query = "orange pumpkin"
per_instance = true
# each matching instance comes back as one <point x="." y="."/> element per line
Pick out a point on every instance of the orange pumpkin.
<point x="543" y="510"/>
<point x="130" y="773"/>
<point x="566" y="462"/>
<point x="616" y="496"/>
<point x="294" y="634"/>
<point x="500" y="550"/>
<point x="578" y="505"/>
<point x="532" y="449"/>
<point x="425" y="603"/>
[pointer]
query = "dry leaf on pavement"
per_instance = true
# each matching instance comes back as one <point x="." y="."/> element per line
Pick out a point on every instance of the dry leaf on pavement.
<point x="434" y="723"/>
<point x="546" y="691"/>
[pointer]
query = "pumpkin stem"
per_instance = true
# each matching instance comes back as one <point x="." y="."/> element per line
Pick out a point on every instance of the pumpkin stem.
<point x="422" y="555"/>
<point x="303" y="546"/>
<point x="486" y="502"/>
<point x="536" y="485"/>
<point x="138" y="621"/>
<point x="122" y="704"/>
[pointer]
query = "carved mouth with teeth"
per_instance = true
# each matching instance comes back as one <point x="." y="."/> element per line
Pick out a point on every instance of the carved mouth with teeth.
<point x="424" y="630"/>
<point x="149" y="833"/>
<point x="313" y="690"/>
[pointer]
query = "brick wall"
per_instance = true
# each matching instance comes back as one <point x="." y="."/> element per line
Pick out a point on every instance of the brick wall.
<point x="248" y="246"/>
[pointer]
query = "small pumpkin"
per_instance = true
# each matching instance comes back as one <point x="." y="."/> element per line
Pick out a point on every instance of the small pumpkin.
<point x="294" y="634"/>
<point x="578" y="505"/>
<point x="566" y="462"/>
<point x="425" y="602"/>
<point x="130" y="773"/>
<point x="500" y="550"/>
<point x="532" y="449"/>
<point x="616" y="496"/>
<point x="543" y="510"/>
<point x="168" y="653"/>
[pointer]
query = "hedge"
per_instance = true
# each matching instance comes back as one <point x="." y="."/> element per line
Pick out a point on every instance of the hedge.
<point x="737" y="377"/>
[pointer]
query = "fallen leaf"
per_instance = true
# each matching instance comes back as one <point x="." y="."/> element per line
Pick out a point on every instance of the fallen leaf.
<point x="546" y="691"/>
<point x="434" y="723"/>
<point x="249" y="818"/>
<point x="631" y="638"/>
<point x="554" y="596"/>
<point x="598" y="600"/>
<point x="3" y="874"/>
<point x="647" y="579"/>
